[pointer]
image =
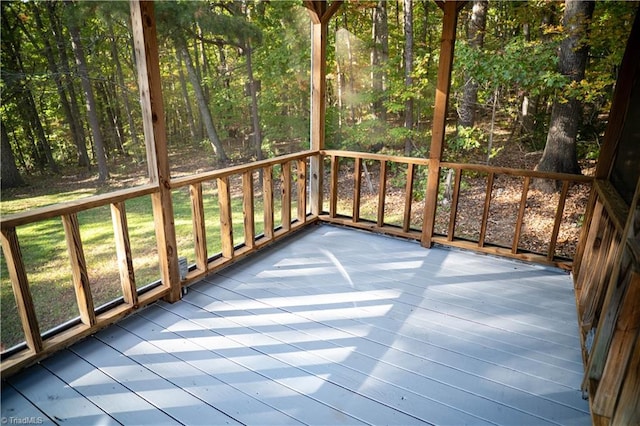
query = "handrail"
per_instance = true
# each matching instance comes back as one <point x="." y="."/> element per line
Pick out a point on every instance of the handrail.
<point x="256" y="165"/>
<point x="380" y="224"/>
<point x="75" y="206"/>
<point x="91" y="319"/>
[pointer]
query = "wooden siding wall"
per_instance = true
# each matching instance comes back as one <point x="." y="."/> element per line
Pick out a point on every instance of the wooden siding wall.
<point x="607" y="268"/>
<point x="608" y="300"/>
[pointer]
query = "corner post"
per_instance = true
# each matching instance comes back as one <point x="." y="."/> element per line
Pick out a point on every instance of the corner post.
<point x="146" y="48"/>
<point x="318" y="108"/>
<point x="443" y="85"/>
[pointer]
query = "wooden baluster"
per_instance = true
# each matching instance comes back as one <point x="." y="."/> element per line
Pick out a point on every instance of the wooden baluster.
<point x="454" y="206"/>
<point x="382" y="192"/>
<point x="267" y="195"/>
<point x="408" y="197"/>
<point x="485" y="213"/>
<point x="247" y="209"/>
<point x="123" y="253"/>
<point x="20" y="285"/>
<point x="302" y="191"/>
<point x="523" y="206"/>
<point x="226" y="226"/>
<point x="558" y="220"/>
<point x="79" y="269"/>
<point x="199" y="229"/>
<point x="333" y="203"/>
<point x="286" y="196"/>
<point x="357" y="184"/>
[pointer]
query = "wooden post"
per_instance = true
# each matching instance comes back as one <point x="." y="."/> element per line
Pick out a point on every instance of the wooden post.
<point x="443" y="86"/>
<point x="302" y="191"/>
<point x="408" y="197"/>
<point x="286" y="195"/>
<point x="123" y="253"/>
<point x="318" y="109"/>
<point x="79" y="269"/>
<point x="320" y="12"/>
<point x="357" y="184"/>
<point x="153" y="119"/>
<point x="247" y="209"/>
<point x="267" y="198"/>
<point x="199" y="229"/>
<point x="21" y="292"/>
<point x="226" y="226"/>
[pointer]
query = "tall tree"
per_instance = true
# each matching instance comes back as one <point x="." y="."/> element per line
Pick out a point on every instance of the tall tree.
<point x="560" y="150"/>
<point x="65" y="74"/>
<point x="15" y="75"/>
<point x="92" y="112"/>
<point x="10" y="176"/>
<point x="78" y="139"/>
<point x="475" y="40"/>
<point x="379" y="58"/>
<point x="203" y="106"/>
<point x="408" y="74"/>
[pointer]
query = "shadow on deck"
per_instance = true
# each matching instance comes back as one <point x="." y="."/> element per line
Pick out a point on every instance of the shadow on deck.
<point x="330" y="326"/>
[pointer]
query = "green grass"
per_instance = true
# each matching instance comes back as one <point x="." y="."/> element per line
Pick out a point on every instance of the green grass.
<point x="46" y="260"/>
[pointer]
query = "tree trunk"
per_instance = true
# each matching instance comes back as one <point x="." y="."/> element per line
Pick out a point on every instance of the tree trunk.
<point x="10" y="176"/>
<point x="477" y="26"/>
<point x="187" y="103"/>
<point x="81" y="149"/>
<point x="205" y="113"/>
<point x="255" y="117"/>
<point x="379" y="57"/>
<point x="92" y="114"/>
<point x="408" y="73"/>
<point x="560" y="150"/>
<point x="77" y="127"/>
<point x="123" y="89"/>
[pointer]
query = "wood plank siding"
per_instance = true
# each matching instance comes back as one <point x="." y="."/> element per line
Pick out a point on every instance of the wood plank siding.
<point x="330" y="326"/>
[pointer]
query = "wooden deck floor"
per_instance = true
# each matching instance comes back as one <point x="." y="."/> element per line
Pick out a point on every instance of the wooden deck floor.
<point x="332" y="326"/>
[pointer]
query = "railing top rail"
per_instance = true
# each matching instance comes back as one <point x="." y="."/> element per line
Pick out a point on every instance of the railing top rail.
<point x="75" y="206"/>
<point x="518" y="172"/>
<point x="214" y="174"/>
<point x="379" y="157"/>
<point x="461" y="166"/>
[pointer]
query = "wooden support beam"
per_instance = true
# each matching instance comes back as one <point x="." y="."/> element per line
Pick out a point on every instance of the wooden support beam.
<point x="123" y="253"/>
<point x="21" y="292"/>
<point x="318" y="109"/>
<point x="248" y="210"/>
<point x="443" y="86"/>
<point x="79" y="269"/>
<point x="145" y="41"/>
<point x="226" y="225"/>
<point x="199" y="228"/>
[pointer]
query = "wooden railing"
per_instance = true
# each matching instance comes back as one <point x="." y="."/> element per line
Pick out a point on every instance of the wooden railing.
<point x="414" y="186"/>
<point x="40" y="343"/>
<point x="248" y="182"/>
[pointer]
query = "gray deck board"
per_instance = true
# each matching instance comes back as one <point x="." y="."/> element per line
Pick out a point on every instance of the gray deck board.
<point x="332" y="326"/>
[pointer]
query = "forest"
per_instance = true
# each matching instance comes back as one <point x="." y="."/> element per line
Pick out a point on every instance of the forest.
<point x="236" y="82"/>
